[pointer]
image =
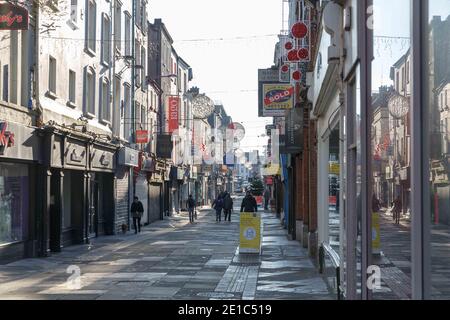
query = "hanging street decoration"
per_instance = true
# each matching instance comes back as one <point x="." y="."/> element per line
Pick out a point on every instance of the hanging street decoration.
<point x="285" y="68"/>
<point x="303" y="54"/>
<point x="293" y="56"/>
<point x="297" y="75"/>
<point x="299" y="30"/>
<point x="289" y="45"/>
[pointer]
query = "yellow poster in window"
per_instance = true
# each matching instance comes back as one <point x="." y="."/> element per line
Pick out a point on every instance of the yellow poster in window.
<point x="250" y="232"/>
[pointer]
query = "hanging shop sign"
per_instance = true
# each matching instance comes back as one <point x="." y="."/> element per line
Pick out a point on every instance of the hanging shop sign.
<point x="164" y="146"/>
<point x="294" y="131"/>
<point x="277" y="98"/>
<point x="174" y="107"/>
<point x="128" y="157"/>
<point x="149" y="165"/>
<point x="13" y="17"/>
<point x="141" y="136"/>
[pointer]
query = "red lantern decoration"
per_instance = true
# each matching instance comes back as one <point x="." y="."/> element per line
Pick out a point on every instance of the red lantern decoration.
<point x="299" y="30"/>
<point x="288" y="45"/>
<point x="303" y="54"/>
<point x="285" y="68"/>
<point x="293" y="55"/>
<point x="297" y="75"/>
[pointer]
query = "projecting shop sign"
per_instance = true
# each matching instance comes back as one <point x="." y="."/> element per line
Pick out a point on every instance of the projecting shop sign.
<point x="13" y="17"/>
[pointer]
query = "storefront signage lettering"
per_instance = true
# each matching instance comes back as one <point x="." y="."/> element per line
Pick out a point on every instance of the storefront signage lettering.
<point x="13" y="17"/>
<point x="6" y="137"/>
<point x="174" y="103"/>
<point x="76" y="158"/>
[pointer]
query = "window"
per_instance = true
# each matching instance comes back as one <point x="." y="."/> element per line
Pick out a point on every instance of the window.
<point x="397" y="82"/>
<point x="105" y="111"/>
<point x="14" y="202"/>
<point x="91" y="27"/>
<point x="118" y="26"/>
<point x="137" y="53"/>
<point x="106" y="37"/>
<point x="127" y="34"/>
<point x="89" y="92"/>
<point x="143" y="118"/>
<point x="52" y="76"/>
<point x="407" y="72"/>
<point x="74" y="11"/>
<point x="72" y="87"/>
<point x="5" y="89"/>
<point x="144" y="65"/>
<point x="127" y="109"/>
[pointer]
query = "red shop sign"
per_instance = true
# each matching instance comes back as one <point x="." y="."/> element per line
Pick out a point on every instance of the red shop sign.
<point x="13" y="17"/>
<point x="174" y="103"/>
<point x="141" y="136"/>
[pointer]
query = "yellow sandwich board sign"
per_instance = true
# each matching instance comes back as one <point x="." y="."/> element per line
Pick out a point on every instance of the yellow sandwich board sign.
<point x="250" y="232"/>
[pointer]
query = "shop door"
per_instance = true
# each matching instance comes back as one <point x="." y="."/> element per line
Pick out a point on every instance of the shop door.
<point x="142" y="194"/>
<point x="93" y="210"/>
<point x="155" y="203"/>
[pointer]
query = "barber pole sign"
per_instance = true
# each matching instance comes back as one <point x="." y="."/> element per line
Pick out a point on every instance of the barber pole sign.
<point x="174" y="107"/>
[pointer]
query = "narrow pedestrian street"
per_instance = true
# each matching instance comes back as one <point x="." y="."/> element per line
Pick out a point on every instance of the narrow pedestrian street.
<point x="173" y="259"/>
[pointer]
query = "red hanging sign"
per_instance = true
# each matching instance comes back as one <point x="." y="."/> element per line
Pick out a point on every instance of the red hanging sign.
<point x="285" y="68"/>
<point x="141" y="136"/>
<point x="174" y="104"/>
<point x="288" y="45"/>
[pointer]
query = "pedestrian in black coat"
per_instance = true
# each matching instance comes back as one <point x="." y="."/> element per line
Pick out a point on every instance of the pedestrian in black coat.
<point x="137" y="210"/>
<point x="249" y="203"/>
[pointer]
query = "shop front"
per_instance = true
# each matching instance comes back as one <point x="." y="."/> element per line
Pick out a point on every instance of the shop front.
<point x="19" y="158"/>
<point x="78" y="185"/>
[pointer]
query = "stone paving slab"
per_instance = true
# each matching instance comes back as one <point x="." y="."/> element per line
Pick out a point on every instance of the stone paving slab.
<point x="172" y="259"/>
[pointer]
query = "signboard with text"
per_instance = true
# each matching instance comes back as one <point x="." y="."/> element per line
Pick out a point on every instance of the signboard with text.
<point x="141" y="136"/>
<point x="173" y="116"/>
<point x="164" y="146"/>
<point x="294" y="131"/>
<point x="13" y="17"/>
<point x="277" y="98"/>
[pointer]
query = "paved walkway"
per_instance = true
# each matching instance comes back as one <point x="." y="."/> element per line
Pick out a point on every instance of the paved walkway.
<point x="171" y="259"/>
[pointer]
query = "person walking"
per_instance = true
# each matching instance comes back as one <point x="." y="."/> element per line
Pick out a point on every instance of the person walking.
<point x="227" y="206"/>
<point x="137" y="210"/>
<point x="249" y="203"/>
<point x="397" y="210"/>
<point x="266" y="199"/>
<point x="191" y="208"/>
<point x="218" y="206"/>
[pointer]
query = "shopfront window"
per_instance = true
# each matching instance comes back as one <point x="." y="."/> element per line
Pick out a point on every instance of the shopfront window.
<point x="334" y="191"/>
<point x="389" y="197"/>
<point x="14" y="202"/>
<point x="438" y="97"/>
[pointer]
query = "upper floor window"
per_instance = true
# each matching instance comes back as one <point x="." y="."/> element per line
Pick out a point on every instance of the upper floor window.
<point x="72" y="87"/>
<point x="52" y="76"/>
<point x="91" y="26"/>
<point x="74" y="11"/>
<point x="105" y="109"/>
<point x="89" y="92"/>
<point x="144" y="65"/>
<point x="118" y="25"/>
<point x="127" y="34"/>
<point x="106" y="39"/>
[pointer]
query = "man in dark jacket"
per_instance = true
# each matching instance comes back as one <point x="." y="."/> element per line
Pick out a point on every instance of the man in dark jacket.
<point x="249" y="203"/>
<point x="137" y="210"/>
<point x="191" y="208"/>
<point x="218" y="206"/>
<point x="227" y="206"/>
